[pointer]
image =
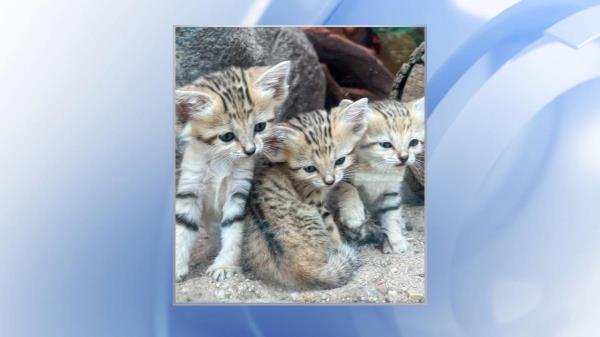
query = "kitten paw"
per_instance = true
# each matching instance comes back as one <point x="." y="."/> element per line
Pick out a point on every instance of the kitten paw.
<point x="395" y="247"/>
<point x="181" y="272"/>
<point x="352" y="216"/>
<point x="220" y="272"/>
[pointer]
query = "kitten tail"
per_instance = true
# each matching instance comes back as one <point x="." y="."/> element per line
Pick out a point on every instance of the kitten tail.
<point x="340" y="267"/>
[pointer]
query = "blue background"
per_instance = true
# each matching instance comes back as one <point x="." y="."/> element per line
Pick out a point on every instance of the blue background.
<point x="513" y="187"/>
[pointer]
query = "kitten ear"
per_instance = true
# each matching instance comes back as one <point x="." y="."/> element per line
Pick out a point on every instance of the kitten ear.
<point x="352" y="118"/>
<point x="279" y="137"/>
<point x="273" y="82"/>
<point x="418" y="109"/>
<point x="344" y="103"/>
<point x="192" y="104"/>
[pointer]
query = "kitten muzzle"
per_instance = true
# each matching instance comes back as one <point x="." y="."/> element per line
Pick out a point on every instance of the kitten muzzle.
<point x="402" y="159"/>
<point x="329" y="180"/>
<point x="249" y="150"/>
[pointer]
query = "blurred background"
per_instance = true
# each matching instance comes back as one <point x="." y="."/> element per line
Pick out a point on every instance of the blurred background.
<point x="365" y="62"/>
<point x="86" y="142"/>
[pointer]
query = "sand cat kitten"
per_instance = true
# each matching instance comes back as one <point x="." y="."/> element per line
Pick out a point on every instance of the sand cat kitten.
<point x="394" y="139"/>
<point x="228" y="114"/>
<point x="290" y="237"/>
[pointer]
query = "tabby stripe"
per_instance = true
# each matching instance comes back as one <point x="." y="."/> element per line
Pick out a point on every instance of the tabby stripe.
<point x="368" y="145"/>
<point x="301" y="131"/>
<point x="230" y="221"/>
<point x="246" y="89"/>
<point x="240" y="195"/>
<point x="387" y="209"/>
<point x="276" y="184"/>
<point x="218" y="92"/>
<point x="182" y="220"/>
<point x="312" y="136"/>
<point x="275" y="247"/>
<point x="186" y="195"/>
<point x="208" y="141"/>
<point x="326" y="214"/>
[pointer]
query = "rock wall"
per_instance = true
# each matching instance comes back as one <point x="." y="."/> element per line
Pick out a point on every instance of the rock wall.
<point x="204" y="50"/>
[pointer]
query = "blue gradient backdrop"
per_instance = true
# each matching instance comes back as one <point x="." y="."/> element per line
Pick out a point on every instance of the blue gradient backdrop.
<point x="86" y="152"/>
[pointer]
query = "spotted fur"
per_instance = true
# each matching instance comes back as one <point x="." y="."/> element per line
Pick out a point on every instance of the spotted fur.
<point x="228" y="114"/>
<point x="290" y="237"/>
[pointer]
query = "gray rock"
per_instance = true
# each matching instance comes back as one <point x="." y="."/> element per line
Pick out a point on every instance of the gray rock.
<point x="203" y="50"/>
<point x="410" y="79"/>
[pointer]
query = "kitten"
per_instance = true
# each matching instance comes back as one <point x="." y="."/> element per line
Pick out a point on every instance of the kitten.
<point x="393" y="141"/>
<point x="290" y="238"/>
<point x="228" y="114"/>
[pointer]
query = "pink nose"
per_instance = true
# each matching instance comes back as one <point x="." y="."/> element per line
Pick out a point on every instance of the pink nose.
<point x="249" y="150"/>
<point x="329" y="180"/>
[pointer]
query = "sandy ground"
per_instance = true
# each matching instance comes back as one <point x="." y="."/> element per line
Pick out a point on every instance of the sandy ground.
<point x="382" y="278"/>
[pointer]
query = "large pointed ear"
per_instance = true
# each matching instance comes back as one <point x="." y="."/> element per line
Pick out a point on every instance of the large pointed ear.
<point x="192" y="104"/>
<point x="418" y="109"/>
<point x="277" y="142"/>
<point x="273" y="82"/>
<point x="351" y="120"/>
<point x="344" y="103"/>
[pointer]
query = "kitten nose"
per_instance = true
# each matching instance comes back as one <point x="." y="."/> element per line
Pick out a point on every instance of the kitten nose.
<point x="403" y="159"/>
<point x="249" y="150"/>
<point x="329" y="180"/>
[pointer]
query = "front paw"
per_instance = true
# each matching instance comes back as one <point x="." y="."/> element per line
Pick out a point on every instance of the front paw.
<point x="221" y="272"/>
<point x="352" y="216"/>
<point x="181" y="272"/>
<point x="396" y="246"/>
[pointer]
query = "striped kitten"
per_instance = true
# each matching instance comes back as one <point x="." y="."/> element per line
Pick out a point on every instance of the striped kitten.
<point x="228" y="114"/>
<point x="394" y="140"/>
<point x="290" y="237"/>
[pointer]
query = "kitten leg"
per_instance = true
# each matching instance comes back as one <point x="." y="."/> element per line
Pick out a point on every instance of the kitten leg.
<point x="184" y="242"/>
<point x="391" y="219"/>
<point x="187" y="215"/>
<point x="351" y="209"/>
<point x="187" y="210"/>
<point x="331" y="227"/>
<point x="227" y="263"/>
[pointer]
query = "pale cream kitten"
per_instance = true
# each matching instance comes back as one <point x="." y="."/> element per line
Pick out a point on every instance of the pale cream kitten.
<point x="393" y="141"/>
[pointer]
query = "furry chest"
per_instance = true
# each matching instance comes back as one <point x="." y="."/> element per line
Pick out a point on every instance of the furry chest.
<point x="371" y="185"/>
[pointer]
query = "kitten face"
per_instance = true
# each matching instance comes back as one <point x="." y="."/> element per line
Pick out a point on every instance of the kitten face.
<point x="318" y="146"/>
<point x="395" y="135"/>
<point x="231" y="110"/>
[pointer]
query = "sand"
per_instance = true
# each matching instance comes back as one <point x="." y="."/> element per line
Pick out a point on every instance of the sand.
<point x="382" y="278"/>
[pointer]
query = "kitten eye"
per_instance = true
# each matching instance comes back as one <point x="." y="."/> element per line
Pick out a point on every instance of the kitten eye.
<point x="340" y="161"/>
<point x="385" y="145"/>
<point x="260" y="127"/>
<point x="310" y="169"/>
<point x="227" y="137"/>
<point x="413" y="142"/>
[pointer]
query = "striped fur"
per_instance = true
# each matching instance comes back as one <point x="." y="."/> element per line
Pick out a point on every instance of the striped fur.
<point x="393" y="141"/>
<point x="290" y="237"/>
<point x="227" y="116"/>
